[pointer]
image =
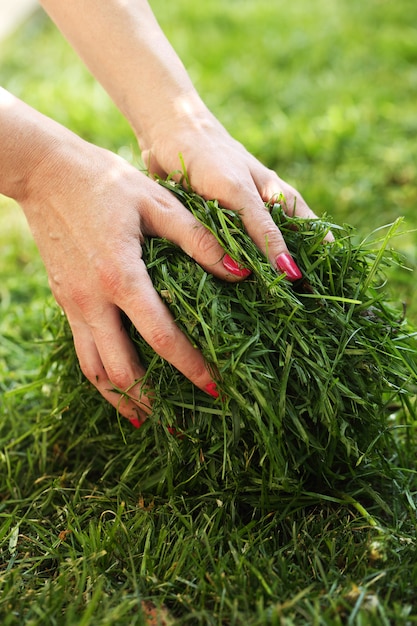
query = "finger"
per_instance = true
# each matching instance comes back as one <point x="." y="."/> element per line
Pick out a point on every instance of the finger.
<point x="265" y="233"/>
<point x="109" y="374"/>
<point x="175" y="222"/>
<point x="246" y="200"/>
<point x="270" y="186"/>
<point x="120" y="358"/>
<point x="296" y="205"/>
<point x="152" y="165"/>
<point x="156" y="325"/>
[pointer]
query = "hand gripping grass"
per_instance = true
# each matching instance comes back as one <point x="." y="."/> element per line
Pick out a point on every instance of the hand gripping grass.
<point x="310" y="375"/>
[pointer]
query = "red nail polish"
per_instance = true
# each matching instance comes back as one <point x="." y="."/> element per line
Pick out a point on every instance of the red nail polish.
<point x="235" y="268"/>
<point x="174" y="432"/>
<point x="211" y="388"/>
<point x="288" y="266"/>
<point x="136" y="422"/>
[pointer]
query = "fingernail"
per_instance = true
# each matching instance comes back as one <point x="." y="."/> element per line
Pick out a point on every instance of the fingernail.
<point x="174" y="432"/>
<point x="288" y="266"/>
<point x="211" y="388"/>
<point x="235" y="268"/>
<point x="136" y="422"/>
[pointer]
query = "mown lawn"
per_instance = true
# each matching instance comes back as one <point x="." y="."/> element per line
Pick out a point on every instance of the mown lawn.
<point x="325" y="93"/>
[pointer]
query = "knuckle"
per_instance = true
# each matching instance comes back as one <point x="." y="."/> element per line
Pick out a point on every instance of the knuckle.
<point x="68" y="292"/>
<point x="80" y="298"/>
<point x="268" y="227"/>
<point x="204" y="242"/>
<point x="198" y="373"/>
<point x="121" y="377"/>
<point x="272" y="238"/>
<point x="163" y="339"/>
<point x="114" y="277"/>
<point x="228" y="187"/>
<point x="272" y="234"/>
<point x="232" y="183"/>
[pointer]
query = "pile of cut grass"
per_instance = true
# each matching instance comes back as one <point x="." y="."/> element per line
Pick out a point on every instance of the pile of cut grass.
<point x="276" y="503"/>
<point x="312" y="377"/>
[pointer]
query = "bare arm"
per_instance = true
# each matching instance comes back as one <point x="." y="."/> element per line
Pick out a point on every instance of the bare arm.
<point x="27" y="139"/>
<point x="124" y="47"/>
<point x="122" y="44"/>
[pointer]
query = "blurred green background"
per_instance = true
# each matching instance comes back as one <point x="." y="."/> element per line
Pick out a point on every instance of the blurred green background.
<point x="324" y="92"/>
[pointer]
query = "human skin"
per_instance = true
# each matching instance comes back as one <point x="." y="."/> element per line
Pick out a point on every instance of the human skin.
<point x="89" y="210"/>
<point x="130" y="55"/>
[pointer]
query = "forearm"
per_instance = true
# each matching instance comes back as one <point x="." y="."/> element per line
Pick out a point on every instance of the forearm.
<point x="29" y="142"/>
<point x="125" y="49"/>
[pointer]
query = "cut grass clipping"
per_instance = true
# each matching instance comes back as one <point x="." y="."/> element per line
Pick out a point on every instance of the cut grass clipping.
<point x="313" y="377"/>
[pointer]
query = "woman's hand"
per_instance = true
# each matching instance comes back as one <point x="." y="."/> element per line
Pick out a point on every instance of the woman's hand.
<point x="89" y="228"/>
<point x="218" y="166"/>
<point x="151" y="87"/>
<point x="89" y="211"/>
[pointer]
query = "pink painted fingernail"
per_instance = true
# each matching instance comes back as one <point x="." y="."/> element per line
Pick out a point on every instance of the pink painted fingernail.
<point x="235" y="268"/>
<point x="211" y="388"/>
<point x="288" y="266"/>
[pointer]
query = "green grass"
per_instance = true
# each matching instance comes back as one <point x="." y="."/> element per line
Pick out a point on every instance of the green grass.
<point x="325" y="93"/>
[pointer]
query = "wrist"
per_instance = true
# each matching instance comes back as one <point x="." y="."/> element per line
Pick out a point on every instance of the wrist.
<point x="34" y="151"/>
<point x="179" y="124"/>
<point x="28" y="140"/>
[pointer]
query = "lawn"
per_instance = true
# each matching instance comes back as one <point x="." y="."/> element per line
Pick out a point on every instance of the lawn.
<point x="93" y="530"/>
